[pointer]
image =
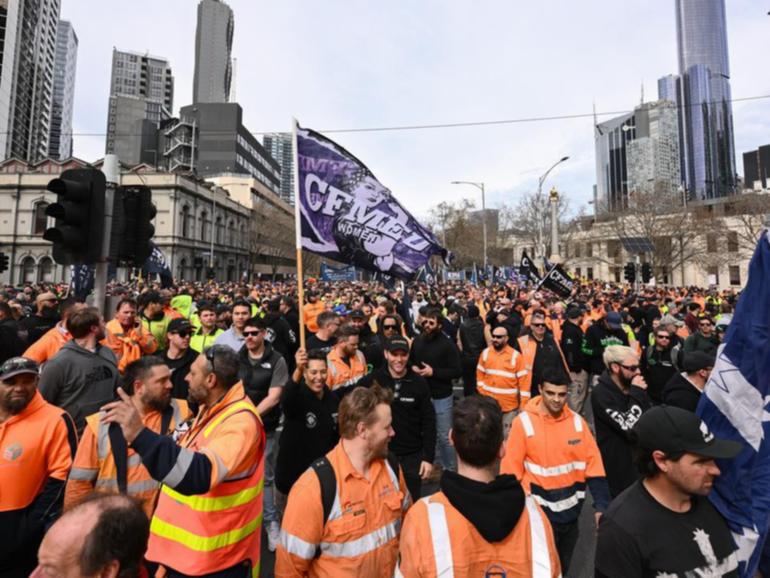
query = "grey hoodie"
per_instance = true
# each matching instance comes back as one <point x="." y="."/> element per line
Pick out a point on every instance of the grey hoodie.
<point x="80" y="381"/>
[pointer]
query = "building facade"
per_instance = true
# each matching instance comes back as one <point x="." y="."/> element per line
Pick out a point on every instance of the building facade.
<point x="279" y="145"/>
<point x="611" y="140"/>
<point x="60" y="140"/>
<point x="213" y="52"/>
<point x="27" y="56"/>
<point x="141" y="98"/>
<point x="756" y="168"/>
<point x="653" y="154"/>
<point x="709" y="151"/>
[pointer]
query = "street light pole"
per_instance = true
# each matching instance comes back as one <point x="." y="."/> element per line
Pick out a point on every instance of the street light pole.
<point x="480" y="186"/>
<point x="554" y="198"/>
<point x="541" y="208"/>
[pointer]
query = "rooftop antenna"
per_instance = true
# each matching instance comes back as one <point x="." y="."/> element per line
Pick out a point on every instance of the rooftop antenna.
<point x="642" y="102"/>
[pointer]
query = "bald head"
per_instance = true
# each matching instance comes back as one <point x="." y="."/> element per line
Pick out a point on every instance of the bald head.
<point x="105" y="536"/>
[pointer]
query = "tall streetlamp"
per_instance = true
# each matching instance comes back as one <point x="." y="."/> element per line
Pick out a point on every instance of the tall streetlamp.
<point x="479" y="186"/>
<point x="541" y="208"/>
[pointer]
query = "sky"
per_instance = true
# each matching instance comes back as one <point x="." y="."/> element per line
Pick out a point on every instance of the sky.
<point x="350" y="65"/>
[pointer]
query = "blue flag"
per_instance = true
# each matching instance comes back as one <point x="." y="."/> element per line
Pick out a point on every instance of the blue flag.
<point x="734" y="406"/>
<point x="426" y="274"/>
<point x="336" y="274"/>
<point x="347" y="215"/>
<point x="157" y="264"/>
<point x="474" y="275"/>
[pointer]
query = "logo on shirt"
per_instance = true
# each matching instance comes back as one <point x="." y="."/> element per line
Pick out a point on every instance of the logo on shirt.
<point x="707" y="435"/>
<point x="714" y="567"/>
<point x="574" y="442"/>
<point x="310" y="420"/>
<point x="13" y="452"/>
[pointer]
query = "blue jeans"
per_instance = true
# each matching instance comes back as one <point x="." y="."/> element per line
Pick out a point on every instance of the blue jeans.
<point x="444" y="452"/>
<point x="270" y="513"/>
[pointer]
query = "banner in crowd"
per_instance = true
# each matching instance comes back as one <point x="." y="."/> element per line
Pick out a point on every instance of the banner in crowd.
<point x="455" y="275"/>
<point x="82" y="277"/>
<point x="474" y="275"/>
<point x="331" y="274"/>
<point x="157" y="264"/>
<point x="426" y="274"/>
<point x="346" y="214"/>
<point x="528" y="269"/>
<point x="734" y="406"/>
<point x="558" y="281"/>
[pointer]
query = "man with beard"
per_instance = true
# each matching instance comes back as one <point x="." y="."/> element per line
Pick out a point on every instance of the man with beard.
<point x="51" y="342"/>
<point x="324" y="339"/>
<point x="126" y="336"/>
<point x="84" y="374"/>
<point x="10" y="344"/>
<point x="104" y="462"/>
<point x="368" y="342"/>
<point x="437" y="359"/>
<point x="179" y="356"/>
<point x="618" y="401"/>
<point x="360" y="536"/>
<point x="414" y="419"/>
<point x="472" y="343"/>
<point x="33" y="327"/>
<point x="37" y="442"/>
<point x="664" y="525"/>
<point x="657" y="365"/>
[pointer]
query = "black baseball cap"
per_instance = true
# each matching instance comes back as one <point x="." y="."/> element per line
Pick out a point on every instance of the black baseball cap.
<point x="178" y="325"/>
<point x="356" y="314"/>
<point x="397" y="343"/>
<point x="674" y="430"/>
<point x="16" y="366"/>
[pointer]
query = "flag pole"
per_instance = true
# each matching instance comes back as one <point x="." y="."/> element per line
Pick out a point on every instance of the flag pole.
<point x="298" y="236"/>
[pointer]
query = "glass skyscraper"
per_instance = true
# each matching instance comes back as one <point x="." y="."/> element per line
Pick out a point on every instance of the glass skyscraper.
<point x="704" y="98"/>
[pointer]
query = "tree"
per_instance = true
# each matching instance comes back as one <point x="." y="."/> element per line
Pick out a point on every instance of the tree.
<point x="750" y="211"/>
<point x="459" y="232"/>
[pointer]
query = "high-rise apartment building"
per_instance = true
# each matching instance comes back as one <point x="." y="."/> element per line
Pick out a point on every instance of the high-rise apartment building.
<point x="279" y="145"/>
<point x="756" y="168"/>
<point x="27" y="53"/>
<point x="653" y="154"/>
<point x="60" y="140"/>
<point x="705" y="99"/>
<point x="141" y="97"/>
<point x="611" y="142"/>
<point x="213" y="52"/>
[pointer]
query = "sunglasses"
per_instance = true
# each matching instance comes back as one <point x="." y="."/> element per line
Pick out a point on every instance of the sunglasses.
<point x="499" y="336"/>
<point x="664" y="337"/>
<point x="386" y="327"/>
<point x="629" y="367"/>
<point x="537" y="324"/>
<point x="251" y="333"/>
<point x="705" y="324"/>
<point x="184" y="334"/>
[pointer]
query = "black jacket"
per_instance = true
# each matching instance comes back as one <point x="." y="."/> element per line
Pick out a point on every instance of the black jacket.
<point x="257" y="378"/>
<point x="598" y="337"/>
<point x="370" y="346"/>
<point x="615" y="414"/>
<point x="280" y="335"/>
<point x="414" y="419"/>
<point x="443" y="356"/>
<point x="680" y="392"/>
<point x="572" y="346"/>
<point x="472" y="337"/>
<point x="10" y="344"/>
<point x="309" y="431"/>
<point x="657" y="368"/>
<point x="179" y="370"/>
<point x="33" y="327"/>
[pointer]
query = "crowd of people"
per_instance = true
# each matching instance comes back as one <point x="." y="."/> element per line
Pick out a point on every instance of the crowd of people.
<point x="427" y="430"/>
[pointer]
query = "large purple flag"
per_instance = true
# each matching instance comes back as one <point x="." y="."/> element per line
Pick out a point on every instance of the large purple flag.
<point x="348" y="215"/>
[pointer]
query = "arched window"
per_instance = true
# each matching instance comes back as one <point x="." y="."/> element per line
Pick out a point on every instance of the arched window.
<point x="28" y="270"/>
<point x="205" y="226"/>
<point x="45" y="270"/>
<point x="186" y="221"/>
<point x="40" y="219"/>
<point x="182" y="269"/>
<point x="232" y="238"/>
<point x="219" y="231"/>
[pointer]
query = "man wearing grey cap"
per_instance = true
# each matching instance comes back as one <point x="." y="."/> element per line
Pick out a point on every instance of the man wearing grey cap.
<point x="684" y="389"/>
<point x="663" y="525"/>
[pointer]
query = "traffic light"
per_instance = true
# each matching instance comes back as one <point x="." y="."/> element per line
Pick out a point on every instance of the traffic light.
<point x="4" y="262"/>
<point x="646" y="272"/>
<point x="211" y="273"/>
<point x="629" y="272"/>
<point x="132" y="228"/>
<point x="78" y="233"/>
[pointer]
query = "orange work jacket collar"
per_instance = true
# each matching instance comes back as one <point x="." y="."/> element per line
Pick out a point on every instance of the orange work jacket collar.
<point x="35" y="404"/>
<point x="205" y="414"/>
<point x="334" y="355"/>
<point x="535" y="408"/>
<point x="344" y="467"/>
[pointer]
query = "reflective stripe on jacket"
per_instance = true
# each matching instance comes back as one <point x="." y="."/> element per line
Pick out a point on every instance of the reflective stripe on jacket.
<point x="340" y="373"/>
<point x="202" y="534"/>
<point x="360" y="538"/>
<point x="553" y="458"/>
<point x="503" y="376"/>
<point x="438" y="541"/>
<point x="128" y="346"/>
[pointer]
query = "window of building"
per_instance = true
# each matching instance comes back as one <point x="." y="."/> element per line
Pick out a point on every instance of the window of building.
<point x="616" y="273"/>
<point x="578" y="272"/>
<point x="45" y="270"/>
<point x="205" y="232"/>
<point x="40" y="220"/>
<point x="589" y="249"/>
<point x="186" y="221"/>
<point x="711" y="243"/>
<point x="735" y="275"/>
<point x="28" y="270"/>
<point x="577" y="250"/>
<point x="732" y="242"/>
<point x="713" y="275"/>
<point x="219" y="231"/>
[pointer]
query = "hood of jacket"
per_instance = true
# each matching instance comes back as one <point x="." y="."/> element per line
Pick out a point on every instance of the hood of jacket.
<point x="494" y="508"/>
<point x="71" y="348"/>
<point x="534" y="407"/>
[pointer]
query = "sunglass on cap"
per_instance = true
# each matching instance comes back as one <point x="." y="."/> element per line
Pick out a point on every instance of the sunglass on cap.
<point x="251" y="333"/>
<point x="18" y="365"/>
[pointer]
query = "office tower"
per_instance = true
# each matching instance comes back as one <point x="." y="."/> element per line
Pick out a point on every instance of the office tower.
<point x="27" y="53"/>
<point x="653" y="154"/>
<point x="60" y="141"/>
<point x="213" y="49"/>
<point x="756" y="168"/>
<point x="280" y="148"/>
<point x="704" y="70"/>
<point x="611" y="142"/>
<point x="141" y="98"/>
<point x="670" y="89"/>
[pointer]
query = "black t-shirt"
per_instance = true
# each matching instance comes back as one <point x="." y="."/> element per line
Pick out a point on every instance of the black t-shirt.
<point x="640" y="538"/>
<point x="313" y="342"/>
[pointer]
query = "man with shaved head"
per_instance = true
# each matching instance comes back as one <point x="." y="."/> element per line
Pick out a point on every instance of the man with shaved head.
<point x="104" y="536"/>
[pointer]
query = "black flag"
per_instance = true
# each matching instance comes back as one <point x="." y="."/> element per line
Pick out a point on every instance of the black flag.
<point x="559" y="281"/>
<point x="528" y="269"/>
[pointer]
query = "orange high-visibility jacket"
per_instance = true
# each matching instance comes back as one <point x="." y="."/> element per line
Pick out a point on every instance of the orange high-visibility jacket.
<point x="310" y="312"/>
<point x="49" y="344"/>
<point x="360" y="537"/>
<point x="553" y="458"/>
<point x="340" y="373"/>
<point x="438" y="541"/>
<point x="205" y="533"/>
<point x="94" y="466"/>
<point x="128" y="346"/>
<point x="502" y="376"/>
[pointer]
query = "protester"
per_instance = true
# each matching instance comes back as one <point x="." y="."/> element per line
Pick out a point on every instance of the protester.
<point x="618" y="401"/>
<point x="37" y="444"/>
<point x="233" y="337"/>
<point x="657" y="364"/>
<point x="414" y="420"/>
<point x="471" y="343"/>
<point x="84" y="374"/>
<point x="106" y="535"/>
<point x="206" y="335"/>
<point x="553" y="453"/>
<point x="327" y="323"/>
<point x="704" y="339"/>
<point x="52" y="341"/>
<point x="179" y="356"/>
<point x="347" y="365"/>
<point x="684" y="389"/>
<point x="10" y="344"/>
<point x="212" y="480"/>
<point x="605" y="332"/>
<point x="540" y="350"/>
<point x="152" y="317"/>
<point x="369" y="491"/>
<point x="479" y="523"/>
<point x="126" y="336"/>
<point x="46" y="316"/>
<point x="278" y="333"/>
<point x="104" y="462"/>
<point x="312" y="309"/>
<point x="369" y="342"/>
<point x="571" y="342"/>
<point x="663" y="525"/>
